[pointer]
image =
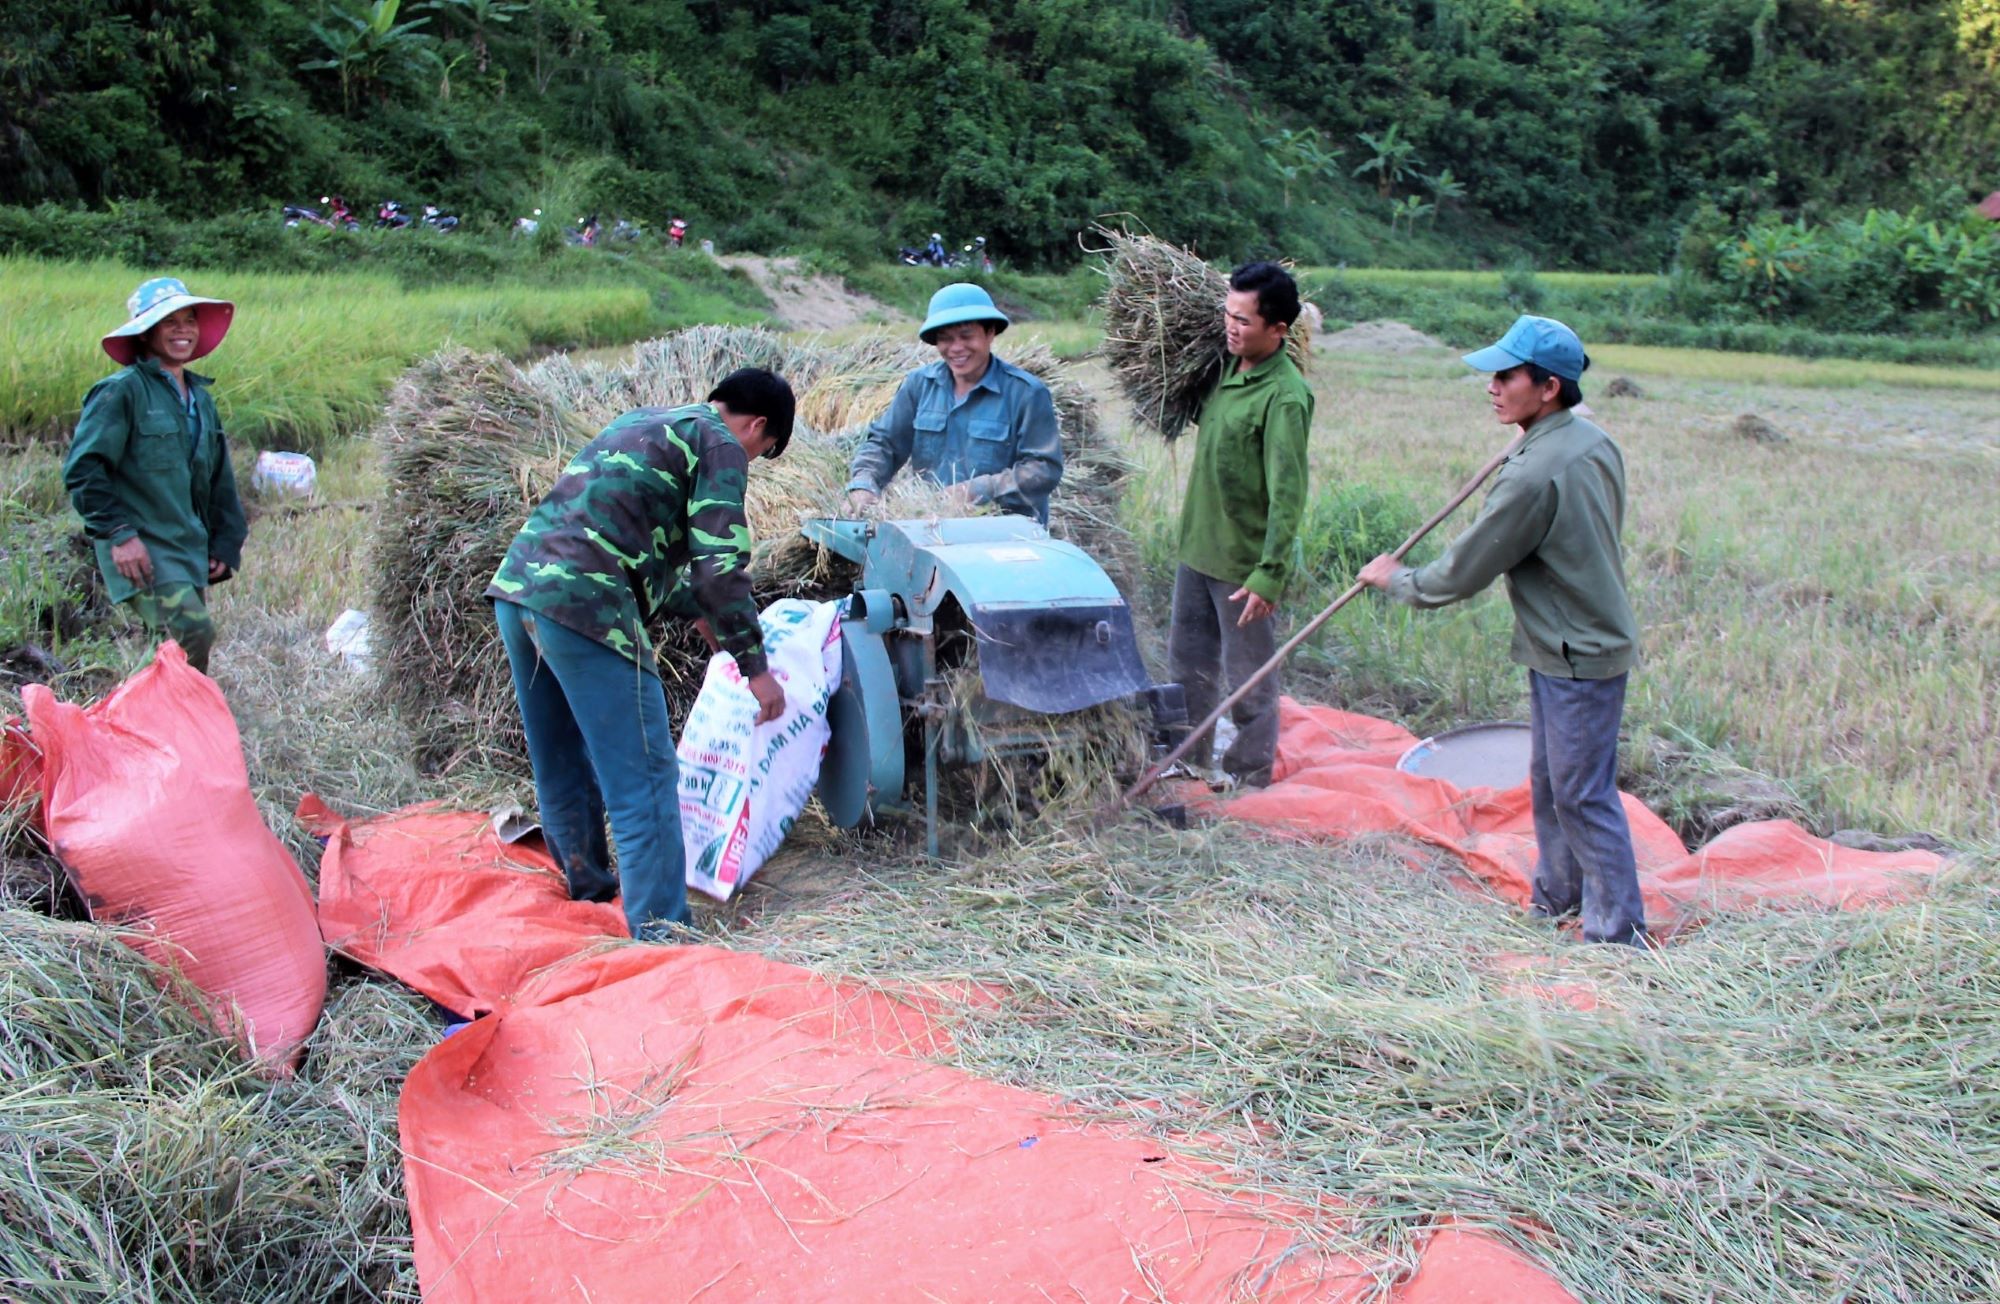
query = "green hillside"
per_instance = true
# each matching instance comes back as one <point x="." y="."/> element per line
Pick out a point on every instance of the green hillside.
<point x="1422" y="134"/>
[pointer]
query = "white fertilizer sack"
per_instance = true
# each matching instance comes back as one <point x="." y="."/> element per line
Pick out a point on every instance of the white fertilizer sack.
<point x="743" y="784"/>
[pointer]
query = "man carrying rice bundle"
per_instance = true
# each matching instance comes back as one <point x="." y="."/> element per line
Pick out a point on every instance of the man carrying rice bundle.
<point x="1240" y="522"/>
<point x="647" y="517"/>
<point x="969" y="420"/>
<point x="1550" y="524"/>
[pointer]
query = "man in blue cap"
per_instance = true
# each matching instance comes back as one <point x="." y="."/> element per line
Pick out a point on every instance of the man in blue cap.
<point x="1551" y="525"/>
<point x="969" y="420"/>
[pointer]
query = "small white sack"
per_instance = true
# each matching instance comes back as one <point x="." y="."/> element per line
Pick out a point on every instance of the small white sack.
<point x="347" y="640"/>
<point x="743" y="784"/>
<point x="284" y="473"/>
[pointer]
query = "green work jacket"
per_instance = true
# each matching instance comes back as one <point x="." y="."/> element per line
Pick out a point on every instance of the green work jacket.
<point x="1551" y="525"/>
<point x="1247" y="488"/>
<point x="135" y="468"/>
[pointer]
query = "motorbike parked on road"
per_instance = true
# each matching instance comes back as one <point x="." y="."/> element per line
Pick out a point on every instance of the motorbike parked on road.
<point x="333" y="214"/>
<point x="677" y="231"/>
<point x="933" y="254"/>
<point x="438" y="220"/>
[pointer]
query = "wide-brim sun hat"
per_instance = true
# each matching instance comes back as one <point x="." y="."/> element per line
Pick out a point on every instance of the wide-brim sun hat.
<point x="1543" y="341"/>
<point x="958" y="303"/>
<point x="155" y="301"/>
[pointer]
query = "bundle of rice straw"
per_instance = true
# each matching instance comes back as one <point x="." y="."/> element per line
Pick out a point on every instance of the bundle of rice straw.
<point x="1163" y="336"/>
<point x="143" y="1157"/>
<point x="472" y="443"/>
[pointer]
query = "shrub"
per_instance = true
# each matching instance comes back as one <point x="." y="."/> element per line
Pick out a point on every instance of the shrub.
<point x="1523" y="291"/>
<point x="1865" y="274"/>
<point x="1350" y="524"/>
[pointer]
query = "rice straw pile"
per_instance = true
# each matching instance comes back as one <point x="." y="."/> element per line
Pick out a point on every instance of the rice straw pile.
<point x="472" y="443"/>
<point x="142" y="1158"/>
<point x="1789" y="1107"/>
<point x="1163" y="336"/>
<point x="1074" y="763"/>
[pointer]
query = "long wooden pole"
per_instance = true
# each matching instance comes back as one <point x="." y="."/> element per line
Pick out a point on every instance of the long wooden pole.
<point x="1201" y="730"/>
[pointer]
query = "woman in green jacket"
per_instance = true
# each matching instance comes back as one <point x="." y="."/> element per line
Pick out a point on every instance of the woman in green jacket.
<point x="149" y="468"/>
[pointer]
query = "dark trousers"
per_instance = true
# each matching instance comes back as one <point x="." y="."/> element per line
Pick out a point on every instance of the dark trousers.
<point x="1210" y="655"/>
<point x="599" y="739"/>
<point x="1580" y="826"/>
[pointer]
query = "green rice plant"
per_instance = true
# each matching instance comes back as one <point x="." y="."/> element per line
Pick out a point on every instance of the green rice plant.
<point x="1766" y="368"/>
<point x="308" y="357"/>
<point x="1349" y="523"/>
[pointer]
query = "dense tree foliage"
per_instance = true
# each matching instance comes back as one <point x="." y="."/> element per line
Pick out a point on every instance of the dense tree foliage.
<point x="1585" y="131"/>
<point x="1588" y="120"/>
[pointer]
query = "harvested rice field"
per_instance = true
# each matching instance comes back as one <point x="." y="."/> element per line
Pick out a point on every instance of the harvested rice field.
<point x="1796" y="1104"/>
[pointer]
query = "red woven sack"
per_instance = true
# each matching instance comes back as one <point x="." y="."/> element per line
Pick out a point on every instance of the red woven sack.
<point x="146" y="802"/>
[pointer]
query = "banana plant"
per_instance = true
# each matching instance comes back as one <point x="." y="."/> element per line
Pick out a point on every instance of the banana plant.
<point x="1407" y="210"/>
<point x="1393" y="160"/>
<point x="367" y="45"/>
<point x="1445" y="186"/>
<point x="480" y="18"/>
<point x="1971" y="283"/>
<point x="1772" y="262"/>
<point x="1300" y="155"/>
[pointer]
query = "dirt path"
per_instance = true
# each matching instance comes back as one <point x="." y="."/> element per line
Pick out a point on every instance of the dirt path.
<point x="809" y="302"/>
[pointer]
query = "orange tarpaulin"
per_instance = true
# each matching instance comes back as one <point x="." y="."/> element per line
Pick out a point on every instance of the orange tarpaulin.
<point x="658" y="1123"/>
<point x="434" y="897"/>
<point x="20" y="769"/>
<point x="1336" y="778"/>
<point x="655" y="1123"/>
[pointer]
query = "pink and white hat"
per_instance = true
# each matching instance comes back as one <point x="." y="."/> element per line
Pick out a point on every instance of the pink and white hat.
<point x="155" y="301"/>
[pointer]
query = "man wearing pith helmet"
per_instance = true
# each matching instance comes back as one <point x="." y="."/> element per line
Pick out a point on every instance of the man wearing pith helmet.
<point x="969" y="420"/>
<point x="1551" y="525"/>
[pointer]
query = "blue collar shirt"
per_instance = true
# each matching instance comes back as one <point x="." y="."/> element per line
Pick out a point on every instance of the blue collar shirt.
<point x="1001" y="440"/>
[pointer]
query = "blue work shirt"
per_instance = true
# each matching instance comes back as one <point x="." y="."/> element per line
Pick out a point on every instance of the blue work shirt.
<point x="1000" y="440"/>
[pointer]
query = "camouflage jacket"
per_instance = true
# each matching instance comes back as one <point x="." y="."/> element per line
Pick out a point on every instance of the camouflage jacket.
<point x="659" y="490"/>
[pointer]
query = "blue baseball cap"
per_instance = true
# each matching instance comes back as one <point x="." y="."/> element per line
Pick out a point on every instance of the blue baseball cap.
<point x="1544" y="341"/>
<point x="960" y="303"/>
